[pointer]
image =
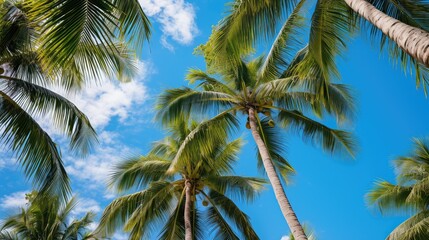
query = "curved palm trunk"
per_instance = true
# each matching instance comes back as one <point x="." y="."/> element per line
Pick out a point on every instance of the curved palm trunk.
<point x="412" y="40"/>
<point x="285" y="206"/>
<point x="188" y="206"/>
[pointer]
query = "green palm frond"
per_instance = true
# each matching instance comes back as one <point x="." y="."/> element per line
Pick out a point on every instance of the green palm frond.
<point x="286" y="41"/>
<point x="223" y="205"/>
<point x="213" y="131"/>
<point x="224" y="157"/>
<point x="135" y="212"/>
<point x="138" y="172"/>
<point x="175" y="226"/>
<point x="416" y="227"/>
<point x="40" y="101"/>
<point x="330" y="139"/>
<point x="246" y="21"/>
<point x="243" y="188"/>
<point x="175" y="102"/>
<point x="329" y="31"/>
<point x="276" y="146"/>
<point x="134" y="26"/>
<point x="387" y="196"/>
<point x="36" y="151"/>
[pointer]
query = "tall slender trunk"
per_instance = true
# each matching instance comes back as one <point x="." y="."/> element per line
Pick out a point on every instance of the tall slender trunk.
<point x="285" y="206"/>
<point x="188" y="206"/>
<point x="414" y="41"/>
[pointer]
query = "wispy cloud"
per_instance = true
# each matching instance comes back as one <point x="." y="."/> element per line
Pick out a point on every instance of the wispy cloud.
<point x="13" y="201"/>
<point x="177" y="18"/>
<point x="285" y="238"/>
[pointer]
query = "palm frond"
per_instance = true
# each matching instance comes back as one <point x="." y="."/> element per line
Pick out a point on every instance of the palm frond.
<point x="36" y="151"/>
<point x="330" y="139"/>
<point x="138" y="172"/>
<point x="387" y="196"/>
<point x="176" y="102"/>
<point x="286" y="41"/>
<point x="243" y="188"/>
<point x="226" y="206"/>
<point x="175" y="226"/>
<point x="197" y="140"/>
<point x="40" y="101"/>
<point x="330" y="28"/>
<point x="416" y="227"/>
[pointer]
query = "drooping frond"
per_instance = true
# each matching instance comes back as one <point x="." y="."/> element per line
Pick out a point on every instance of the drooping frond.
<point x="243" y="188"/>
<point x="330" y="139"/>
<point x="41" y="102"/>
<point x="175" y="226"/>
<point x="330" y="28"/>
<point x="36" y="151"/>
<point x="223" y="205"/>
<point x="387" y="196"/>
<point x="136" y="211"/>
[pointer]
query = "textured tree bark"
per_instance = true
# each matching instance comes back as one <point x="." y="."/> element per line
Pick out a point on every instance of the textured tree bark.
<point x="188" y="206"/>
<point x="285" y="206"/>
<point x="412" y="40"/>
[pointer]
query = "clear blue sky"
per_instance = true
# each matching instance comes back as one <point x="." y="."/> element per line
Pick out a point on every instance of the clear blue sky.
<point x="327" y="191"/>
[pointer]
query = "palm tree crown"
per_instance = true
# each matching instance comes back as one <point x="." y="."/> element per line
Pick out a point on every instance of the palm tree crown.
<point x="205" y="173"/>
<point x="46" y="218"/>
<point x="410" y="193"/>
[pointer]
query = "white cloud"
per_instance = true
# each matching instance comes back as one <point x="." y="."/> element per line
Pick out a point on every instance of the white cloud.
<point x="177" y="18"/>
<point x="86" y="205"/>
<point x="285" y="238"/>
<point x="13" y="201"/>
<point x="94" y="170"/>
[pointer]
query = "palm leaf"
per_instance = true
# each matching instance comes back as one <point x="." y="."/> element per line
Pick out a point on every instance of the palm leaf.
<point x="228" y="207"/>
<point x="244" y="188"/>
<point x="330" y="139"/>
<point x="40" y="101"/>
<point x="416" y="227"/>
<point x="36" y="151"/>
<point x="138" y="172"/>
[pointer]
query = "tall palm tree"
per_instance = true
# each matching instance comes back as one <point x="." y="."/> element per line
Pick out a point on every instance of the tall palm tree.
<point x="410" y="193"/>
<point x="173" y="199"/>
<point x="267" y="93"/>
<point x="401" y="26"/>
<point x="46" y="218"/>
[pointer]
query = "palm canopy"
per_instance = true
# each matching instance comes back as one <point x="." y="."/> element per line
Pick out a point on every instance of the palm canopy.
<point x="25" y="98"/>
<point x="281" y="100"/>
<point x="331" y="25"/>
<point x="162" y="200"/>
<point x="46" y="218"/>
<point x="410" y="193"/>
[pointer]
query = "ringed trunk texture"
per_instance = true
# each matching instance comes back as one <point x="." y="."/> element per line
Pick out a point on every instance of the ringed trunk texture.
<point x="414" y="41"/>
<point x="188" y="206"/>
<point x="285" y="206"/>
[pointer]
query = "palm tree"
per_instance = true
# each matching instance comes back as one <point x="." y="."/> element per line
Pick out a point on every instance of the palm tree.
<point x="267" y="93"/>
<point x="401" y="26"/>
<point x="410" y="193"/>
<point x="172" y="196"/>
<point x="46" y="218"/>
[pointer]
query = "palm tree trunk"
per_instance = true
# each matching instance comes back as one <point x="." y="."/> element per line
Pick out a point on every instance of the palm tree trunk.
<point x="412" y="40"/>
<point x="285" y="206"/>
<point x="188" y="206"/>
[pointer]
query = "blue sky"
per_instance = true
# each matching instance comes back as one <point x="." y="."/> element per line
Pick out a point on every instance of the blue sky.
<point x="327" y="192"/>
